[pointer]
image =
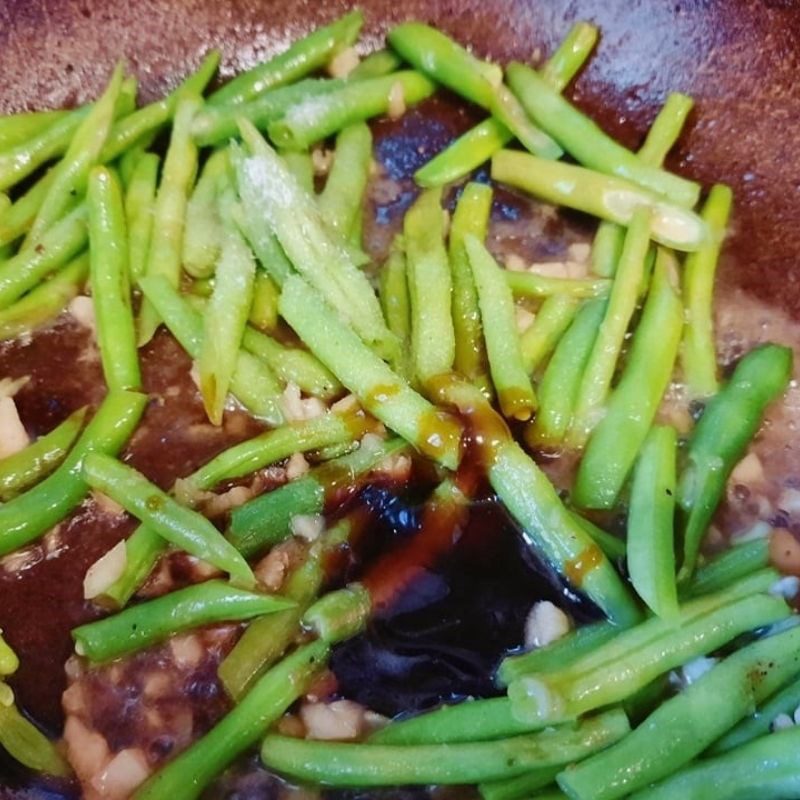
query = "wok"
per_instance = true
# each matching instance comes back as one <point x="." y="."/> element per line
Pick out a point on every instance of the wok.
<point x="739" y="59"/>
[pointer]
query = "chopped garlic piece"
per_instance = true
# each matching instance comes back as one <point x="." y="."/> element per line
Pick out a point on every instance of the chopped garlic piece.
<point x="307" y="526"/>
<point x="296" y="466"/>
<point x="13" y="436"/>
<point x="82" y="309"/>
<point x="124" y="773"/>
<point x="397" y="101"/>
<point x="342" y="64"/>
<point x="545" y="624"/>
<point x="336" y="721"/>
<point x="105" y="571"/>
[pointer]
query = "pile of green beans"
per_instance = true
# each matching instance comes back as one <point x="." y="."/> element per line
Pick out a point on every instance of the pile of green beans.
<point x="248" y="237"/>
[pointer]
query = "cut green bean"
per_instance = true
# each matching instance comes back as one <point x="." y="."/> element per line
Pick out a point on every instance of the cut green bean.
<point x="395" y="302"/>
<point x="267" y="519"/>
<point x="765" y="768"/>
<point x="40" y="458"/>
<point x="9" y="663"/>
<point x="602" y="362"/>
<point x="340" y="202"/>
<point x="603" y="196"/>
<point x="365" y="765"/>
<point x="785" y="701"/>
<point x="511" y="380"/>
<point x="541" y="337"/>
<point x="632" y="407"/>
<point x="176" y="524"/>
<point x="593" y="681"/>
<point x="558" y="655"/>
<point x="46" y="301"/>
<point x="340" y="615"/>
<point x="202" y="234"/>
<point x="253" y="382"/>
<point x="303" y="57"/>
<point x="570" y="56"/>
<point x="699" y="354"/>
<point x="300" y="165"/>
<point x="651" y="523"/>
<point x="19" y="128"/>
<point x="381" y="62"/>
<point x="264" y="308"/>
<point x="26" y="744"/>
<point x="225" y="320"/>
<point x="313" y="120"/>
<point x="720" y="439"/>
<point x="140" y="198"/>
<point x="65" y="240"/>
<point x="471" y="217"/>
<point x="429" y="288"/>
<point x="18" y="218"/>
<point x="533" y="285"/>
<point x="166" y="244"/>
<point x="381" y="391"/>
<point x="31" y="514"/>
<point x="523" y="786"/>
<point x="682" y="727"/>
<point x="146" y="624"/>
<point x="587" y="143"/>
<point x="728" y="567"/>
<point x="186" y="776"/>
<point x="613" y="547"/>
<point x="558" y="390"/>
<point x="547" y="526"/>
<point x="111" y="294"/>
<point x="143" y="548"/>
<point x="272" y="198"/>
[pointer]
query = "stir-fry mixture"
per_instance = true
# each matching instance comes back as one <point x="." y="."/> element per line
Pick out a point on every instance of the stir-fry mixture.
<point x="334" y="488"/>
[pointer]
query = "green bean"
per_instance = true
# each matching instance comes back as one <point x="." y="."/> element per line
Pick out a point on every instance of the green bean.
<point x="558" y="655"/>
<point x="602" y="363"/>
<point x="533" y="285"/>
<point x="65" y="240"/>
<point x="381" y="62"/>
<point x="127" y="162"/>
<point x="765" y="768"/>
<point x="607" y="248"/>
<point x="523" y="786"/>
<point x="540" y="338"/>
<point x="395" y="302"/>
<point x="202" y="235"/>
<point x="143" y="548"/>
<point x="587" y="143"/>
<point x="38" y="459"/>
<point x="214" y="125"/>
<point x="185" y="777"/>
<point x="266" y="639"/>
<point x="253" y="383"/>
<point x="340" y="202"/>
<point x="682" y="727"/>
<point x="587" y="685"/>
<point x="784" y="701"/>
<point x="9" y="663"/>
<point x="293" y="365"/>
<point x="510" y="378"/>
<point x="72" y="172"/>
<point x="176" y="524"/>
<point x="31" y="514"/>
<point x="471" y="217"/>
<point x="316" y="118"/>
<point x="301" y="168"/>
<point x="340" y="615"/>
<point x="613" y="547"/>
<point x="728" y="567"/>
<point x="264" y="308"/>
<point x="547" y="526"/>
<point x="111" y="298"/>
<point x="265" y="245"/>
<point x="166" y="244"/>
<point x="570" y="56"/>
<point x="301" y="58"/>
<point x="25" y="743"/>
<point x="651" y="523"/>
<point x="365" y="765"/>
<point x="17" y="220"/>
<point x="225" y="320"/>
<point x="560" y="383"/>
<point x="274" y="445"/>
<point x="603" y="196"/>
<point x="632" y="407"/>
<point x="46" y="301"/>
<point x="19" y="128"/>
<point x="148" y="623"/>
<point x="721" y="437"/>
<point x="267" y="519"/>
<point x="381" y="391"/>
<point x="272" y="198"/>
<point x="429" y="288"/>
<point x="139" y="212"/>
<point x="698" y="354"/>
<point x="20" y="161"/>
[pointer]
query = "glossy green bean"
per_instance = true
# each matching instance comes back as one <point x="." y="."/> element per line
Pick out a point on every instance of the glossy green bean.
<point x="533" y="285"/>
<point x="26" y="744"/>
<point x="16" y="220"/>
<point x="111" y="293"/>
<point x="541" y="337"/>
<point x="728" y="567"/>
<point x="9" y="663"/>
<point x="340" y="615"/>
<point x="19" y="128"/>
<point x="146" y="624"/>
<point x="143" y="548"/>
<point x="140" y="198"/>
<point x="31" y="514"/>
<point x="396" y="304"/>
<point x="381" y="62"/>
<point x="264" y="308"/>
<point x="176" y="524"/>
